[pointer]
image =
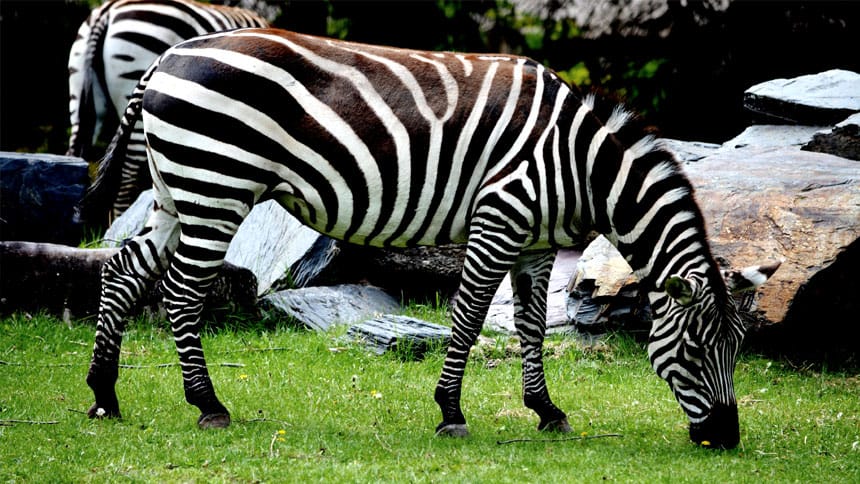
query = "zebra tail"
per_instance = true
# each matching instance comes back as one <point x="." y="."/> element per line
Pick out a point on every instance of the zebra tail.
<point x="98" y="200"/>
<point x="93" y="71"/>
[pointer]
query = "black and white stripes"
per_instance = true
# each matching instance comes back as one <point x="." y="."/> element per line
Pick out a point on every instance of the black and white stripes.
<point x="115" y="45"/>
<point x="392" y="147"/>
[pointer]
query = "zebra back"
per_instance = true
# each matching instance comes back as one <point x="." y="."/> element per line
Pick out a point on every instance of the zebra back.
<point x="116" y="44"/>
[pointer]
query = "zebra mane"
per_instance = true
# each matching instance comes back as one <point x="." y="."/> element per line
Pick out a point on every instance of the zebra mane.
<point x="632" y="132"/>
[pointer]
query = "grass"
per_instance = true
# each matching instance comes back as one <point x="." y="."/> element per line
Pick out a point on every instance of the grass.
<point x="312" y="407"/>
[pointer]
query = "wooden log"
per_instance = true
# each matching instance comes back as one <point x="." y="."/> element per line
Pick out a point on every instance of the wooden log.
<point x="66" y="282"/>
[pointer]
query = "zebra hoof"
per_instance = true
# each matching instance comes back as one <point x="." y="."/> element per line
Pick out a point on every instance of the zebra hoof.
<point x="101" y="412"/>
<point x="214" y="421"/>
<point x="560" y="425"/>
<point x="452" y="430"/>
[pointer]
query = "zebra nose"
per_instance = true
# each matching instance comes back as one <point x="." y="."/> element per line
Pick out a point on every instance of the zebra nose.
<point x="720" y="430"/>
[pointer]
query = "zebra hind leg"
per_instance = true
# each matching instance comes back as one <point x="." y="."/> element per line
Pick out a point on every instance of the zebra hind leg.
<point x="530" y="280"/>
<point x="195" y="266"/>
<point x="125" y="278"/>
<point x="489" y="256"/>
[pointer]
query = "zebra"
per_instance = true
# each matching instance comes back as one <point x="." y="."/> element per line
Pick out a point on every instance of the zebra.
<point x="113" y="48"/>
<point x="390" y="147"/>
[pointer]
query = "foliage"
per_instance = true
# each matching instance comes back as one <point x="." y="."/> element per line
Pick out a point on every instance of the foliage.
<point x="309" y="407"/>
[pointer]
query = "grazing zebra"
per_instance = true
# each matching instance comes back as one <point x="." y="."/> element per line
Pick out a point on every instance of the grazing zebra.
<point x="113" y="48"/>
<point x="392" y="147"/>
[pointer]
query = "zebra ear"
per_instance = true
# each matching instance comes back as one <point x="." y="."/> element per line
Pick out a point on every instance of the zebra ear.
<point x="748" y="278"/>
<point x="679" y="289"/>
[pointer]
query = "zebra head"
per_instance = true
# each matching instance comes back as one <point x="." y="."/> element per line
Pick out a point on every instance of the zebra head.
<point x="693" y="345"/>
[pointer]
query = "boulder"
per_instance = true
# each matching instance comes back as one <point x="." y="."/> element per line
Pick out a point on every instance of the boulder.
<point x="320" y="308"/>
<point x="766" y="204"/>
<point x="824" y="98"/>
<point x="38" y="193"/>
<point x="271" y="243"/>
<point x="500" y="316"/>
<point x="843" y="140"/>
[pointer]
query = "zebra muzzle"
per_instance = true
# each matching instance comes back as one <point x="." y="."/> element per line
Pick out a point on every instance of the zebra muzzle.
<point x="720" y="430"/>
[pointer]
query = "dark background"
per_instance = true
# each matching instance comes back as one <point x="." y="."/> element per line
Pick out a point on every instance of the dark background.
<point x="696" y="94"/>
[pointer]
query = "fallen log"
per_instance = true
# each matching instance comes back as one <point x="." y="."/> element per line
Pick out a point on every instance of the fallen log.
<point x="66" y="282"/>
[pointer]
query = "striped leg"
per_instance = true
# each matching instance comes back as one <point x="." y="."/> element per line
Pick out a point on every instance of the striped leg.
<point x="489" y="256"/>
<point x="199" y="256"/>
<point x="530" y="279"/>
<point x="125" y="277"/>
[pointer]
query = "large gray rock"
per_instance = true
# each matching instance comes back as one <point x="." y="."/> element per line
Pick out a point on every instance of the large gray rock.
<point x="814" y="99"/>
<point x="319" y="308"/>
<point x="772" y="136"/>
<point x="38" y="193"/>
<point x="271" y="243"/>
<point x="500" y="316"/>
<point x="766" y="204"/>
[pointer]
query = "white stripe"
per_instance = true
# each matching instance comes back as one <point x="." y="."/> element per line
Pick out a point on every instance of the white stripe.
<point x="583" y="110"/>
<point x="551" y="126"/>
<point x="529" y="125"/>
<point x="457" y="228"/>
<point x="467" y="133"/>
<point x="593" y="148"/>
<point x="194" y="93"/>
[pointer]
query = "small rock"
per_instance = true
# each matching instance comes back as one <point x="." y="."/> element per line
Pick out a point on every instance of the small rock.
<point x="393" y="332"/>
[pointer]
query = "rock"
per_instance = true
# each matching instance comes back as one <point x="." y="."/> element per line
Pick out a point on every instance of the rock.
<point x="271" y="243"/>
<point x="843" y="140"/>
<point x="772" y="136"/>
<point x="408" y="336"/>
<point x="814" y="99"/>
<point x="319" y="308"/>
<point x="635" y="19"/>
<point x="603" y="294"/>
<point x="820" y="326"/>
<point x="38" y="193"/>
<point x="761" y="204"/>
<point x="765" y="204"/>
<point x="690" y="150"/>
<point x="130" y="222"/>
<point x="66" y="282"/>
<point x="279" y="249"/>
<point x="419" y="273"/>
<point x="501" y="314"/>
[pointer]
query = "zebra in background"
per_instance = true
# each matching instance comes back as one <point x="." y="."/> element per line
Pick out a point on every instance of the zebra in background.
<point x="114" y="47"/>
<point x="391" y="147"/>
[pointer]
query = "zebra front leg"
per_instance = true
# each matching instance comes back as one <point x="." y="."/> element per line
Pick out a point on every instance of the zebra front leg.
<point x="488" y="258"/>
<point x="125" y="277"/>
<point x="529" y="281"/>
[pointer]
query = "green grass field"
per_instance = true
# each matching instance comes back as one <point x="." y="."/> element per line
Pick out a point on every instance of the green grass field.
<point x="311" y="407"/>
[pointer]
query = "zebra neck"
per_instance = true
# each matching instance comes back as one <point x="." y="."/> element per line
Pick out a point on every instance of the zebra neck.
<point x="635" y="193"/>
